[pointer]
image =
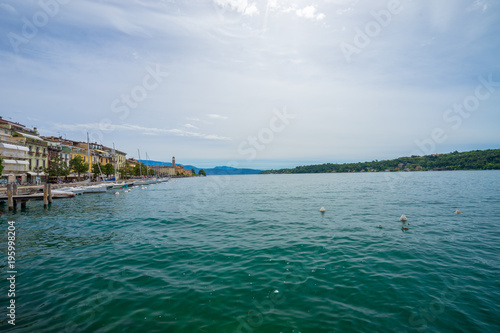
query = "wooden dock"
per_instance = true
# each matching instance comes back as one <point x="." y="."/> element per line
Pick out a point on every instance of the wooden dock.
<point x="13" y="197"/>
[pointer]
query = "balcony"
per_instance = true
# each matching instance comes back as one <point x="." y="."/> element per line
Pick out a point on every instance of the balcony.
<point x="8" y="139"/>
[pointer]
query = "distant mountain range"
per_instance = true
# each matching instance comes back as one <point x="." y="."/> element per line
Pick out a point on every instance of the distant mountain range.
<point x="218" y="170"/>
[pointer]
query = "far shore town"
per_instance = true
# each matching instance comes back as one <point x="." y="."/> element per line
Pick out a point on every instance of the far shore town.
<point x="30" y="159"/>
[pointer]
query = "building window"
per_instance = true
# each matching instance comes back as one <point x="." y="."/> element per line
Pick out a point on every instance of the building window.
<point x="43" y="164"/>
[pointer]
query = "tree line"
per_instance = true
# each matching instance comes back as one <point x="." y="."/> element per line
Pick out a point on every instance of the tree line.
<point x="472" y="160"/>
<point x="58" y="168"/>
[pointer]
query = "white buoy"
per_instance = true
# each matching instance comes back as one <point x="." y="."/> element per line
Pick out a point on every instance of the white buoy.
<point x="322" y="209"/>
<point x="117" y="193"/>
<point x="403" y="218"/>
<point x="458" y="211"/>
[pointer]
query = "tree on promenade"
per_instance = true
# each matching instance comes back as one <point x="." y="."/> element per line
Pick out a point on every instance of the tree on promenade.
<point x="78" y="165"/>
<point x="108" y="169"/>
<point x="126" y="170"/>
<point x="57" y="167"/>
<point x="97" y="169"/>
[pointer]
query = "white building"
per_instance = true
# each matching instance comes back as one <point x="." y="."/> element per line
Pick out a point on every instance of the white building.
<point x="14" y="156"/>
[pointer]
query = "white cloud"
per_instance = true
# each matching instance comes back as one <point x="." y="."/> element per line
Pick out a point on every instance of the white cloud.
<point x="239" y="72"/>
<point x="8" y="8"/>
<point x="481" y="5"/>
<point x="344" y="11"/>
<point x="309" y="12"/>
<point x="143" y="130"/>
<point x="216" y="116"/>
<point x="241" y="6"/>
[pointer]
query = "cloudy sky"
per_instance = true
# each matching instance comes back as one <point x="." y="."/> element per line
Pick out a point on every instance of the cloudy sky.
<point x="258" y="84"/>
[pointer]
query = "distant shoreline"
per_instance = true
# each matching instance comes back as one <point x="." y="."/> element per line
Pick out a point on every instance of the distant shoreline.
<point x="472" y="160"/>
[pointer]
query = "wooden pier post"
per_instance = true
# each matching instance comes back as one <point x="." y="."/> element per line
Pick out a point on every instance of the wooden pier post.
<point x="10" y="198"/>
<point x="14" y="189"/>
<point x="50" y="193"/>
<point x="23" y="204"/>
<point x="45" y="195"/>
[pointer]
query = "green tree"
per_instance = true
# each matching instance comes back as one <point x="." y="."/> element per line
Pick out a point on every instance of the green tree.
<point x="125" y="171"/>
<point x="97" y="169"/>
<point x="57" y="167"/>
<point x="78" y="165"/>
<point x="193" y="171"/>
<point x="202" y="172"/>
<point x="1" y="165"/>
<point x="136" y="170"/>
<point x="139" y="169"/>
<point x="108" y="169"/>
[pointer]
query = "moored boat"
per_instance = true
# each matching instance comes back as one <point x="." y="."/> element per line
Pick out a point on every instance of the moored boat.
<point x="76" y="190"/>
<point x="120" y="185"/>
<point x="95" y="189"/>
<point x="56" y="194"/>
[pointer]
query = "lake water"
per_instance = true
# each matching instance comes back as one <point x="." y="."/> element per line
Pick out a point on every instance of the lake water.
<point x="254" y="254"/>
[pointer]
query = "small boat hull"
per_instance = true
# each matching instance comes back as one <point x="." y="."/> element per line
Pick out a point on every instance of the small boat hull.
<point x="62" y="194"/>
<point x="95" y="189"/>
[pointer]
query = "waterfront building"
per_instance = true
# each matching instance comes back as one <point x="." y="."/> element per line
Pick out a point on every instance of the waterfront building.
<point x="118" y="159"/>
<point x="37" y="154"/>
<point x="14" y="155"/>
<point x="61" y="147"/>
<point x="97" y="152"/>
<point x="164" y="170"/>
<point x="132" y="162"/>
<point x="180" y="171"/>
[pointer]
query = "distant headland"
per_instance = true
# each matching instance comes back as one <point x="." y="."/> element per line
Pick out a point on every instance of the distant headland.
<point x="471" y="160"/>
<point x="218" y="170"/>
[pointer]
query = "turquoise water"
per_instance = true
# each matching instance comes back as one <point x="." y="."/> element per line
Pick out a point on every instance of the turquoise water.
<point x="254" y="254"/>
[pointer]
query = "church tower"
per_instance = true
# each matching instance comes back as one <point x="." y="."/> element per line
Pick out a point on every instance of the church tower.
<point x="173" y="161"/>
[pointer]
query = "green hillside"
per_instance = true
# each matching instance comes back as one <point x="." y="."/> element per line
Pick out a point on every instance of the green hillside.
<point x="471" y="160"/>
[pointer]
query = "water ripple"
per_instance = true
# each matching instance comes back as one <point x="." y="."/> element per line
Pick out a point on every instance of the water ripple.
<point x="259" y="257"/>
